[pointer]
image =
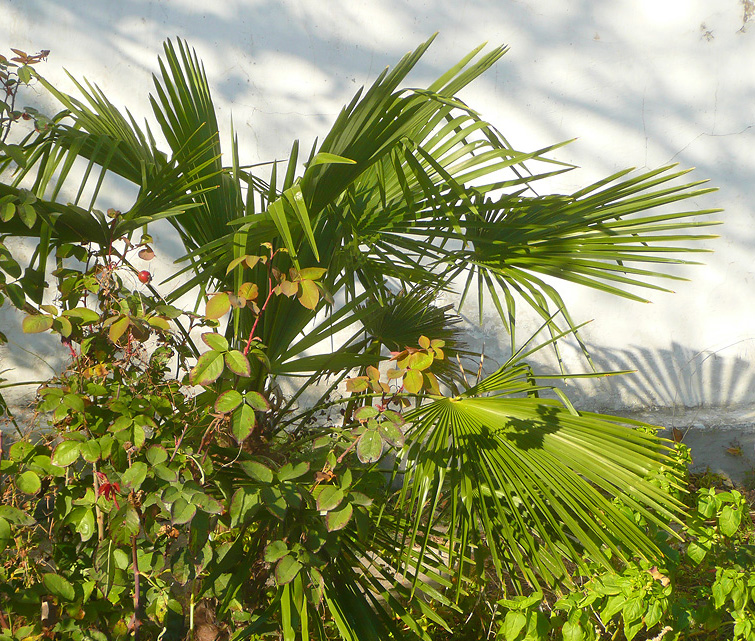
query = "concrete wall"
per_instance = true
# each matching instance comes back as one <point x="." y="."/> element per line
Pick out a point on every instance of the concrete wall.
<point x="638" y="82"/>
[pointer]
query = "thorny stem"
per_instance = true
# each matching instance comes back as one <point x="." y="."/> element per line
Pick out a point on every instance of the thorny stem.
<point x="267" y="300"/>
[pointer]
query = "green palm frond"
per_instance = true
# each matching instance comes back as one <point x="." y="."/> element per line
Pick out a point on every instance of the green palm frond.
<point x="530" y="479"/>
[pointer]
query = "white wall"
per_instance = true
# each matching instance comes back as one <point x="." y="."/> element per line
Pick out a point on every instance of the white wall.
<point x="638" y="82"/>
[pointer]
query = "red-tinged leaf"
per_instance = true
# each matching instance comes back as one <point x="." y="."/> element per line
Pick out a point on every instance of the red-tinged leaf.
<point x="228" y="401"/>
<point x="218" y="306"/>
<point x="257" y="471"/>
<point x="373" y="373"/>
<point x="243" y="423"/>
<point x="309" y="294"/>
<point x="394" y="417"/>
<point x="356" y="384"/>
<point x="147" y="253"/>
<point x="288" y="288"/>
<point x="365" y="412"/>
<point x="248" y="291"/>
<point x="234" y="264"/>
<point x="182" y="511"/>
<point x="36" y="324"/>
<point x="392" y="434"/>
<point x="338" y="519"/>
<point x="208" y="369"/>
<point x="118" y="328"/>
<point x="413" y="381"/>
<point x="275" y="551"/>
<point x="66" y="453"/>
<point x="257" y="401"/>
<point x="424" y="342"/>
<point x="215" y="341"/>
<point x="329" y="498"/>
<point x="312" y="273"/>
<point x="238" y="363"/>
<point x="286" y="570"/>
<point x="370" y="446"/>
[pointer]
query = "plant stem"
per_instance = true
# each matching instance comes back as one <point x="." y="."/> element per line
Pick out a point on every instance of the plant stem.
<point x="136" y="588"/>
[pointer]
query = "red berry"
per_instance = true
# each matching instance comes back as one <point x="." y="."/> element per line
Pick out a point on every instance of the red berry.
<point x="145" y="276"/>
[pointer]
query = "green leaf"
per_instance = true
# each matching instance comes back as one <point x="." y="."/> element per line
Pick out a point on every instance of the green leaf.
<point x="325" y="158"/>
<point x="208" y="369"/>
<point x="286" y="570"/>
<point x="572" y="631"/>
<point x="182" y="511"/>
<point x="90" y="451"/>
<point x="257" y="401"/>
<point x="5" y="534"/>
<point x="420" y="360"/>
<point x="27" y="215"/>
<point x="14" y="291"/>
<point x="28" y="482"/>
<point x="118" y="328"/>
<point x="413" y="381"/>
<point x="312" y="273"/>
<point x="36" y="324"/>
<point x="513" y="624"/>
<point x="85" y="526"/>
<point x="696" y="552"/>
<point x="104" y="564"/>
<point x="238" y="363"/>
<point x="156" y="454"/>
<point x="338" y="519"/>
<point x="329" y="498"/>
<point x="59" y="586"/>
<point x="215" y="341"/>
<point x="391" y="433"/>
<point x="365" y="412"/>
<point x="134" y="476"/>
<point x="7" y="211"/>
<point x="66" y="453"/>
<point x="82" y="314"/>
<point x="14" y="515"/>
<point x="370" y="446"/>
<point x="243" y="422"/>
<point x="245" y="504"/>
<point x="218" y="306"/>
<point x="288" y="472"/>
<point x="729" y="520"/>
<point x="257" y="471"/>
<point x="228" y="401"/>
<point x="275" y="551"/>
<point x="308" y="294"/>
<point x="124" y="524"/>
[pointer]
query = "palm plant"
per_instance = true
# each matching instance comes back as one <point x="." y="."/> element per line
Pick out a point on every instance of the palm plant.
<point x="411" y="194"/>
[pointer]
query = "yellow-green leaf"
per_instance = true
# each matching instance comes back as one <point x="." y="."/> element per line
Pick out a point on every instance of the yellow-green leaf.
<point x="208" y="369"/>
<point x="218" y="306"/>
<point x="36" y="324"/>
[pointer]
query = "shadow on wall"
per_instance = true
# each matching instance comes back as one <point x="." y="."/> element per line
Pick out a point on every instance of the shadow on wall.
<point x="679" y="381"/>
